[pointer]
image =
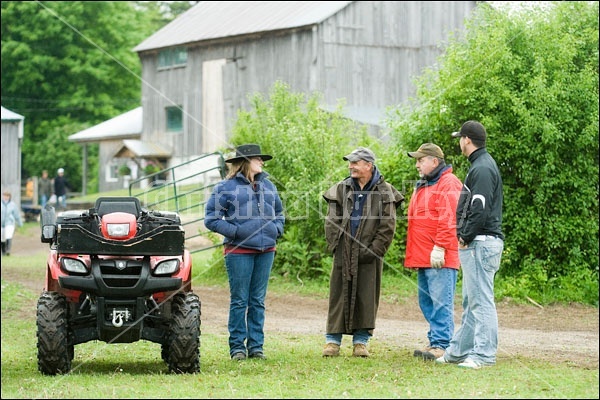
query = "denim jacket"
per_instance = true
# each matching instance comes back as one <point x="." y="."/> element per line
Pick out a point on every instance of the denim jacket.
<point x="11" y="214"/>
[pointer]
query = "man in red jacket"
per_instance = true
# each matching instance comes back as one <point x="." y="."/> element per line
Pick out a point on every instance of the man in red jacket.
<point x="431" y="245"/>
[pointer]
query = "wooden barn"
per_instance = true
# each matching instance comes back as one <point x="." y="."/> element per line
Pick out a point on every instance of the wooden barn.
<point x="201" y="68"/>
<point x="12" y="139"/>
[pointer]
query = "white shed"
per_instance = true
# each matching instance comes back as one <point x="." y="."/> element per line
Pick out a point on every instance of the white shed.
<point x="12" y="140"/>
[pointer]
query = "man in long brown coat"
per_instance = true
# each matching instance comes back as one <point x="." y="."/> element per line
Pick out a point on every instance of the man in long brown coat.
<point x="359" y="228"/>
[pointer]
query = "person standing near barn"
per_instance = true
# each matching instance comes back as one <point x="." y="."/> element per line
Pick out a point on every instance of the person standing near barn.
<point x="45" y="188"/>
<point x="11" y="217"/>
<point x="480" y="246"/>
<point x="60" y="188"/>
<point x="431" y="246"/>
<point x="246" y="209"/>
<point x="359" y="228"/>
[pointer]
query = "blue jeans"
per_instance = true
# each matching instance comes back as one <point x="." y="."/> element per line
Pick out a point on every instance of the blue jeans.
<point x="358" y="336"/>
<point x="62" y="201"/>
<point x="477" y="337"/>
<point x="248" y="279"/>
<point x="436" y="300"/>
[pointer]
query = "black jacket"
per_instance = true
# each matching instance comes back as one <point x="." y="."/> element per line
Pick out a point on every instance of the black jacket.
<point x="479" y="210"/>
<point x="60" y="186"/>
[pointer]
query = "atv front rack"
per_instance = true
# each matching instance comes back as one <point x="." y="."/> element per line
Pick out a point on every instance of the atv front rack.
<point x="164" y="240"/>
<point x="78" y="232"/>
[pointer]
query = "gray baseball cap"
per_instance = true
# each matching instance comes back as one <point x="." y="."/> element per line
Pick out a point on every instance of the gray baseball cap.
<point x="361" y="153"/>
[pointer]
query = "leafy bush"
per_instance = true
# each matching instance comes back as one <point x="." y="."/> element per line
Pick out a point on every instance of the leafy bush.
<point x="307" y="144"/>
<point x="532" y="79"/>
<point x="152" y="168"/>
<point x="124" y="170"/>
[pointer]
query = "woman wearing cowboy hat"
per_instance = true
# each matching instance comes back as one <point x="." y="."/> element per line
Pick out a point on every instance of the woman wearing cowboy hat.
<point x="246" y="209"/>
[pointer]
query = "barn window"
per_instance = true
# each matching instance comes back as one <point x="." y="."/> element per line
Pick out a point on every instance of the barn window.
<point x="173" y="57"/>
<point x="174" y="119"/>
<point x="112" y="172"/>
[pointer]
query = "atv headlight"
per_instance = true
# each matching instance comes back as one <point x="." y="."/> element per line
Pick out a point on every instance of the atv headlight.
<point x="167" y="267"/>
<point x="74" y="266"/>
<point x="117" y="230"/>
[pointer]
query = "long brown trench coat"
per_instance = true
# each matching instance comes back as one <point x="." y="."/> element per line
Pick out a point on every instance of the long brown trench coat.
<point x="355" y="281"/>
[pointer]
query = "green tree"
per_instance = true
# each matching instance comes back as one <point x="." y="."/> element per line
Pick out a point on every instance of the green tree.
<point x="70" y="65"/>
<point x="163" y="12"/>
<point x="531" y="78"/>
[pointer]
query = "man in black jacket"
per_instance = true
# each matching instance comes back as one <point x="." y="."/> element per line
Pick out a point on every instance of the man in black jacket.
<point x="60" y="189"/>
<point x="480" y="246"/>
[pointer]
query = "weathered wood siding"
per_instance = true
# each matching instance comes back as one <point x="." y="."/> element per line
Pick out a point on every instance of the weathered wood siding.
<point x="11" y="159"/>
<point x="371" y="51"/>
<point x="106" y="153"/>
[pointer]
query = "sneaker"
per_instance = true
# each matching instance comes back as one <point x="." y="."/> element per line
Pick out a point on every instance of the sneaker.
<point x="442" y="360"/>
<point x="331" y="350"/>
<point x="433" y="353"/>
<point x="239" y="356"/>
<point x="360" y="350"/>
<point x="259" y="354"/>
<point x="418" y="353"/>
<point x="470" y="364"/>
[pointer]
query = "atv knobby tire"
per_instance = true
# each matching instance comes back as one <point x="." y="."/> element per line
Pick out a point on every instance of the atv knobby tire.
<point x="182" y="350"/>
<point x="54" y="352"/>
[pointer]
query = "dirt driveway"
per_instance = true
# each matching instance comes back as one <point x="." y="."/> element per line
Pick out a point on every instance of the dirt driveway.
<point x="553" y="333"/>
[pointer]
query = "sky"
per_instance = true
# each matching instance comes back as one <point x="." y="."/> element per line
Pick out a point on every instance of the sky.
<point x="517" y="4"/>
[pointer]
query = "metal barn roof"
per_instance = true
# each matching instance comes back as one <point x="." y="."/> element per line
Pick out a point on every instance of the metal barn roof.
<point x="8" y="115"/>
<point x="127" y="125"/>
<point x="218" y="19"/>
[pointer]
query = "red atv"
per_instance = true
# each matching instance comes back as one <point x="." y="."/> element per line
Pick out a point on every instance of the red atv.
<point x="117" y="273"/>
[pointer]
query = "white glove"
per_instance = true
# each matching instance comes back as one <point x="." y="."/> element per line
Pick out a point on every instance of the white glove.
<point x="437" y="257"/>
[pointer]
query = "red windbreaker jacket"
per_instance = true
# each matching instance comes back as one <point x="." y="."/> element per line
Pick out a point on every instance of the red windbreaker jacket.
<point x="432" y="221"/>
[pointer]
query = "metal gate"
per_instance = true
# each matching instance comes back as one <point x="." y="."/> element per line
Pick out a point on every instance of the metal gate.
<point x="185" y="189"/>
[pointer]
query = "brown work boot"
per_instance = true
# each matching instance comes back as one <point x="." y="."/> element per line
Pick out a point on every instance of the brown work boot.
<point x="360" y="350"/>
<point x="331" y="350"/>
<point x="419" y="353"/>
<point x="433" y="353"/>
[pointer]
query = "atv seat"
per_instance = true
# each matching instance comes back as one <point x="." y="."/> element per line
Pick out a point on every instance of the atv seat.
<point x="107" y="205"/>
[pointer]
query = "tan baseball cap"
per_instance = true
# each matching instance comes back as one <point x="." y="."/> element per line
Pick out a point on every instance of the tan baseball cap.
<point x="427" y="149"/>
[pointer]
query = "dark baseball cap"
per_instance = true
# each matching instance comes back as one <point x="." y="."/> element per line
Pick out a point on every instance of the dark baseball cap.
<point x="473" y="130"/>
<point x="361" y="153"/>
<point x="427" y="149"/>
